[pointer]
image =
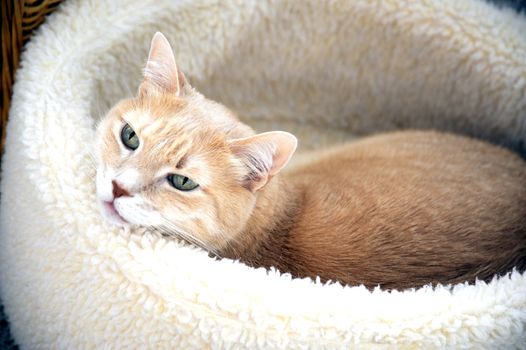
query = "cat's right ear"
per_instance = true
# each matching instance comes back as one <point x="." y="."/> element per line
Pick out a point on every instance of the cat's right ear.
<point x="263" y="156"/>
<point x="161" y="75"/>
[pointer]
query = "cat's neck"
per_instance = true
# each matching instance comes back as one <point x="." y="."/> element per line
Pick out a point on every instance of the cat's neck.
<point x="263" y="238"/>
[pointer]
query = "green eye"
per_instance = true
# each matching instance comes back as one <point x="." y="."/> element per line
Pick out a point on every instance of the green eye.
<point x="182" y="183"/>
<point x="129" y="138"/>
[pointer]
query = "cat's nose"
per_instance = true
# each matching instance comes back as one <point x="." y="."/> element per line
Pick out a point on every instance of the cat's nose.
<point x="118" y="191"/>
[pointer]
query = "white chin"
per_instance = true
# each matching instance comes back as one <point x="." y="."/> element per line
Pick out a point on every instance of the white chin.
<point x="112" y="216"/>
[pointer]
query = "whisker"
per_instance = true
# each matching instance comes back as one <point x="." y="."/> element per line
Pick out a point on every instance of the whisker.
<point x="229" y="242"/>
<point x="168" y="228"/>
<point x="172" y="228"/>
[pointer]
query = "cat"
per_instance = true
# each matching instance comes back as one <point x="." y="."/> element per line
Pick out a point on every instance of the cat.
<point x="395" y="210"/>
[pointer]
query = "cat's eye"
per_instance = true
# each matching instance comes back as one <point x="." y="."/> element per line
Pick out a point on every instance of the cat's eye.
<point x="129" y="138"/>
<point x="182" y="183"/>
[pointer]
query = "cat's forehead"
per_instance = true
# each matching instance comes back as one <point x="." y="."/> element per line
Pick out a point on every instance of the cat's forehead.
<point x="154" y="115"/>
<point x="181" y="136"/>
<point x="172" y="133"/>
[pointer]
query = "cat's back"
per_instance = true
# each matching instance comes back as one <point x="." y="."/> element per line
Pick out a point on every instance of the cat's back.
<point x="415" y="161"/>
<point x="411" y="202"/>
<point x="423" y="149"/>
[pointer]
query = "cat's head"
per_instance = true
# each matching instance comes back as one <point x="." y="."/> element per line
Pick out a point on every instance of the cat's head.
<point x="173" y="160"/>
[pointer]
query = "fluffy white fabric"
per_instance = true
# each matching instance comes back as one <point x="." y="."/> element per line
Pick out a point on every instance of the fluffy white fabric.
<point x="324" y="70"/>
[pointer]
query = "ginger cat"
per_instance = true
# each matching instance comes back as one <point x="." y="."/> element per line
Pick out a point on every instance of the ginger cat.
<point x="397" y="210"/>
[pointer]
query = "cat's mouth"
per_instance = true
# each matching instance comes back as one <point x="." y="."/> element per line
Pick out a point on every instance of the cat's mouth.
<point x="111" y="211"/>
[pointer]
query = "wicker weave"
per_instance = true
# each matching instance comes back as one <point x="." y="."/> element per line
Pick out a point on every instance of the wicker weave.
<point x="19" y="19"/>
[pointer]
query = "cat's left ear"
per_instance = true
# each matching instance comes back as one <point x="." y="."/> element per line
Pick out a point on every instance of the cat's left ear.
<point x="263" y="156"/>
<point x="161" y="75"/>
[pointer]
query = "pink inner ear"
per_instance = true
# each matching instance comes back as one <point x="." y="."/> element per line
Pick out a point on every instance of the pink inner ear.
<point x="285" y="147"/>
<point x="161" y="74"/>
<point x="264" y="154"/>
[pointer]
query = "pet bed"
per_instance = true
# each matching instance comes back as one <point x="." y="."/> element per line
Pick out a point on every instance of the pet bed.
<point x="326" y="71"/>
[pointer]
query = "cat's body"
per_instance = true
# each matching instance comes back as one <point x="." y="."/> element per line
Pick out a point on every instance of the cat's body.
<point x="397" y="210"/>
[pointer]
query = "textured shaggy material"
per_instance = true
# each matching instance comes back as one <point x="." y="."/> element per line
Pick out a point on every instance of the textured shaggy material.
<point x="326" y="71"/>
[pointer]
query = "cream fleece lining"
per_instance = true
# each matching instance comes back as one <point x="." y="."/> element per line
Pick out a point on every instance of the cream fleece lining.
<point x="325" y="70"/>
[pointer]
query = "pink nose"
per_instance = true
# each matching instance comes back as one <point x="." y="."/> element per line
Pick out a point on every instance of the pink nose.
<point x="118" y="191"/>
